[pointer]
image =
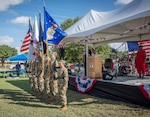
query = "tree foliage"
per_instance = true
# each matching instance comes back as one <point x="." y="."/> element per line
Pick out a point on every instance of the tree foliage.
<point x="69" y="22"/>
<point x="6" y="52"/>
<point x="115" y="54"/>
<point x="74" y="53"/>
<point x="104" y="51"/>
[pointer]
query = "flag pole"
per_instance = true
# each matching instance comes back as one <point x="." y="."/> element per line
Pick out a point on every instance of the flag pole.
<point x="47" y="45"/>
<point x="44" y="4"/>
<point x="40" y="34"/>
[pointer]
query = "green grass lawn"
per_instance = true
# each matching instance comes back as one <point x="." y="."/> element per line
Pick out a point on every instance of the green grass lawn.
<point x="16" y="100"/>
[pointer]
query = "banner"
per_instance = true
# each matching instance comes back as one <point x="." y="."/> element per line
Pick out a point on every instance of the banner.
<point x="145" y="89"/>
<point x="83" y="84"/>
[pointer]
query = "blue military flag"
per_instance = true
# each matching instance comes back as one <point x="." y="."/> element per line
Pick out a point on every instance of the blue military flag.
<point x="132" y="45"/>
<point x="53" y="34"/>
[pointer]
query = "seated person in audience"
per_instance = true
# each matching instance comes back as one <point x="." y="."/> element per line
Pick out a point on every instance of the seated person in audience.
<point x="129" y="67"/>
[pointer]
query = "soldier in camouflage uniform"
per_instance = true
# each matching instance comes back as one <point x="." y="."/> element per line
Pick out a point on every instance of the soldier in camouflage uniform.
<point x="39" y="75"/>
<point x="62" y="84"/>
<point x="29" y="74"/>
<point x="53" y="78"/>
<point x="35" y="85"/>
<point x="47" y="76"/>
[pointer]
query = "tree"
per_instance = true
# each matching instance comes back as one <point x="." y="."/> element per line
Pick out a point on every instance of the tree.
<point x="115" y="54"/>
<point x="74" y="53"/>
<point x="104" y="51"/>
<point x="69" y="22"/>
<point x="6" y="52"/>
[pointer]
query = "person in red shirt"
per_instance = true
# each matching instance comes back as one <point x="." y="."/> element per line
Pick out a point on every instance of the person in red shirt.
<point x="140" y="62"/>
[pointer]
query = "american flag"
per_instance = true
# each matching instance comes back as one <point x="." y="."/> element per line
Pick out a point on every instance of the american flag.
<point x="26" y="42"/>
<point x="146" y="46"/>
<point x="134" y="45"/>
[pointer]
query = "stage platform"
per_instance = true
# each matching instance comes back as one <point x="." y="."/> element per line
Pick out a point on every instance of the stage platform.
<point x="122" y="88"/>
<point x="129" y="80"/>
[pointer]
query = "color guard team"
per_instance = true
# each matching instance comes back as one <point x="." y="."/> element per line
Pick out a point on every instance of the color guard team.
<point x="49" y="77"/>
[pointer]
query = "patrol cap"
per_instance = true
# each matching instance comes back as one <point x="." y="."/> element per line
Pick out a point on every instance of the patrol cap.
<point x="62" y="61"/>
<point x="46" y="58"/>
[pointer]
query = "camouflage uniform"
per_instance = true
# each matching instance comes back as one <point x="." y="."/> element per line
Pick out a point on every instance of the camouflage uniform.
<point x="29" y="73"/>
<point x="53" y="81"/>
<point x="40" y="74"/>
<point x="63" y="85"/>
<point x="47" y="76"/>
<point x="34" y="75"/>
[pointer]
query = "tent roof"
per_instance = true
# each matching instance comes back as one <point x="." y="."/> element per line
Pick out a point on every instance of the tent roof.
<point x="21" y="57"/>
<point x="129" y="23"/>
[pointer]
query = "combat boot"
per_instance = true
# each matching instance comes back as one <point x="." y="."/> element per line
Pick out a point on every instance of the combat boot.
<point x="64" y="107"/>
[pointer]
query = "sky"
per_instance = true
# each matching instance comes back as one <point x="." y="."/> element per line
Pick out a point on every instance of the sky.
<point x="14" y="15"/>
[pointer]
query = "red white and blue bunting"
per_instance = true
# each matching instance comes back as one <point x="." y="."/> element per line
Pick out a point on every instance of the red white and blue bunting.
<point x="83" y="84"/>
<point x="145" y="89"/>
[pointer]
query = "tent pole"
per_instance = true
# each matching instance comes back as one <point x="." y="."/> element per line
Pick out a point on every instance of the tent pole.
<point x="86" y="44"/>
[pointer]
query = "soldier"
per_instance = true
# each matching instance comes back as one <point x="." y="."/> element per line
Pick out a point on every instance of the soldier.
<point x="29" y="74"/>
<point x="39" y="75"/>
<point x="47" y="76"/>
<point x="62" y="84"/>
<point x="34" y="75"/>
<point x="53" y="78"/>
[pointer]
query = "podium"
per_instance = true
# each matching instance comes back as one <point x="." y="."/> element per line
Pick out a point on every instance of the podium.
<point x="95" y="67"/>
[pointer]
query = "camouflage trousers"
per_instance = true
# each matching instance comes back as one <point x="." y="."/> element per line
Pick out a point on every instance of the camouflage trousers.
<point x="47" y="85"/>
<point x="35" y="83"/>
<point x="51" y="87"/>
<point x="54" y="87"/>
<point x="40" y="81"/>
<point x="31" y="81"/>
<point x="62" y="90"/>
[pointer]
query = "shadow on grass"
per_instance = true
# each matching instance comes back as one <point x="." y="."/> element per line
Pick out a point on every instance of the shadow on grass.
<point x="2" y="76"/>
<point x="21" y="83"/>
<point x="21" y="98"/>
<point x="74" y="98"/>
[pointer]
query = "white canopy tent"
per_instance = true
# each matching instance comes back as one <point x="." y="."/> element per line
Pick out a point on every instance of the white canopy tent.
<point x="129" y="23"/>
